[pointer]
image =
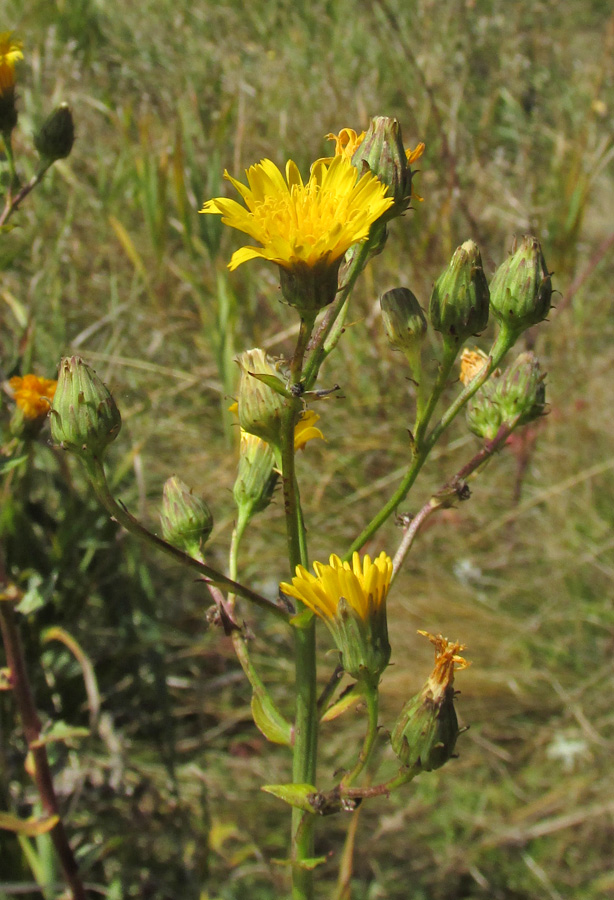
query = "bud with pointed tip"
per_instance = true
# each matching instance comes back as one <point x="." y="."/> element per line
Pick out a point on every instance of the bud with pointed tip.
<point x="521" y="289"/>
<point x="459" y="302"/>
<point x="186" y="519"/>
<point x="425" y="734"/>
<point x="256" y="478"/>
<point x="404" y="320"/>
<point x="260" y="407"/>
<point x="56" y="135"/>
<point x="84" y="417"/>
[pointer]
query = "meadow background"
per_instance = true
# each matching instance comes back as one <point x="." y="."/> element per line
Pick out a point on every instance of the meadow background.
<point x="110" y="260"/>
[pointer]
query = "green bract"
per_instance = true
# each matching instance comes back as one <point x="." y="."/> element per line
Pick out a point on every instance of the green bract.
<point x="84" y="417"/>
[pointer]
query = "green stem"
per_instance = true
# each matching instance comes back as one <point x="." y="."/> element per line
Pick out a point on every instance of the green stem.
<point x="98" y="481"/>
<point x="372" y="698"/>
<point x="331" y="326"/>
<point x="20" y="684"/>
<point x="424" y="444"/>
<point x="306" y="718"/>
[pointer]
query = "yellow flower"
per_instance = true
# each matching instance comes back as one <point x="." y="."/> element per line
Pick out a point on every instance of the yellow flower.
<point x="351" y="600"/>
<point x="305" y="429"/>
<point x="10" y="52"/>
<point x="346" y="142"/>
<point x="33" y="395"/>
<point x="302" y="225"/>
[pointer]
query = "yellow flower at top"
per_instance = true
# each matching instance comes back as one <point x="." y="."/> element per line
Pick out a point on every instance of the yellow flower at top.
<point x="346" y="142"/>
<point x="10" y="53"/>
<point x="33" y="395"/>
<point x="302" y="224"/>
<point x="447" y="658"/>
<point x="351" y="600"/>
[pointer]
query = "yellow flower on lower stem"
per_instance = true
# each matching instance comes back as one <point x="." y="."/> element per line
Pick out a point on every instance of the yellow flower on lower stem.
<point x="305" y="228"/>
<point x="351" y="600"/>
<point x="10" y="53"/>
<point x="33" y="395"/>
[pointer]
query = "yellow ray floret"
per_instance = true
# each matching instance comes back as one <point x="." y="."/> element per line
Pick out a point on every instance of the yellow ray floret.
<point x="364" y="585"/>
<point x="33" y="395"/>
<point x="302" y="224"/>
<point x="10" y="52"/>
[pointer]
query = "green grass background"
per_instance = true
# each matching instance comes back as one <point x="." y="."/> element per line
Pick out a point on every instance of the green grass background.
<point x="111" y="261"/>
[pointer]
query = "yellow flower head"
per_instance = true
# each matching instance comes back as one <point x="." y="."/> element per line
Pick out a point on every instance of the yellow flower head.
<point x="351" y="599"/>
<point x="10" y="52"/>
<point x="33" y="395"/>
<point x="302" y="225"/>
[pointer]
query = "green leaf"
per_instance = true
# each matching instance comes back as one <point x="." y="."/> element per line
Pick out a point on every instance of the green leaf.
<point x="269" y="721"/>
<point x="275" y="383"/>
<point x="295" y="795"/>
<point x="9" y="464"/>
<point x="31" y="827"/>
<point x="60" y="732"/>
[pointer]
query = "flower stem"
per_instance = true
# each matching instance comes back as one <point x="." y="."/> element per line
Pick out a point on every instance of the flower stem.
<point x="98" y="481"/>
<point x="22" y="691"/>
<point x="423" y="443"/>
<point x="306" y="717"/>
<point x="371" y="695"/>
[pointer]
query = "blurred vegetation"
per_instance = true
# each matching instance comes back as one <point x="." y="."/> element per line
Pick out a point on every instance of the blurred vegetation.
<point x="110" y="260"/>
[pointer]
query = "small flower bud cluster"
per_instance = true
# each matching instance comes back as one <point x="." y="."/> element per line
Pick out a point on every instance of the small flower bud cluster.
<point x="516" y="397"/>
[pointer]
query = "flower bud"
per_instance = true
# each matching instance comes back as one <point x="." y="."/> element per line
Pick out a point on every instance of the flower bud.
<point x="459" y="302"/>
<point x="84" y="417"/>
<point x="515" y="398"/>
<point x="260" y="407"/>
<point x="404" y="320"/>
<point x="185" y="518"/>
<point x="425" y="734"/>
<point x="56" y="135"/>
<point x="256" y="478"/>
<point x="521" y="289"/>
<point x="381" y="151"/>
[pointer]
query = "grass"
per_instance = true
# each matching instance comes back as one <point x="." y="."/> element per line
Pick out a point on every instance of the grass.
<point x="111" y="260"/>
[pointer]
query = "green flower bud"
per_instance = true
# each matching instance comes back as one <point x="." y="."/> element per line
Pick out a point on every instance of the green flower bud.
<point x="260" y="407"/>
<point x="459" y="303"/>
<point x="521" y="289"/>
<point x="404" y="320"/>
<point x="84" y="417"/>
<point x="256" y="477"/>
<point x="56" y="135"/>
<point x="382" y="152"/>
<point x="425" y="734"/>
<point x="186" y="519"/>
<point x="516" y="397"/>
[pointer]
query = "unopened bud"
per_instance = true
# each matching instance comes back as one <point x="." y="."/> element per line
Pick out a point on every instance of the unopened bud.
<point x="516" y="397"/>
<point x="521" y="289"/>
<point x="459" y="303"/>
<point x="425" y="734"/>
<point x="404" y="320"/>
<point x="84" y="416"/>
<point x="260" y="406"/>
<point x="256" y="478"/>
<point x="381" y="152"/>
<point x="56" y="135"/>
<point x="186" y="519"/>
